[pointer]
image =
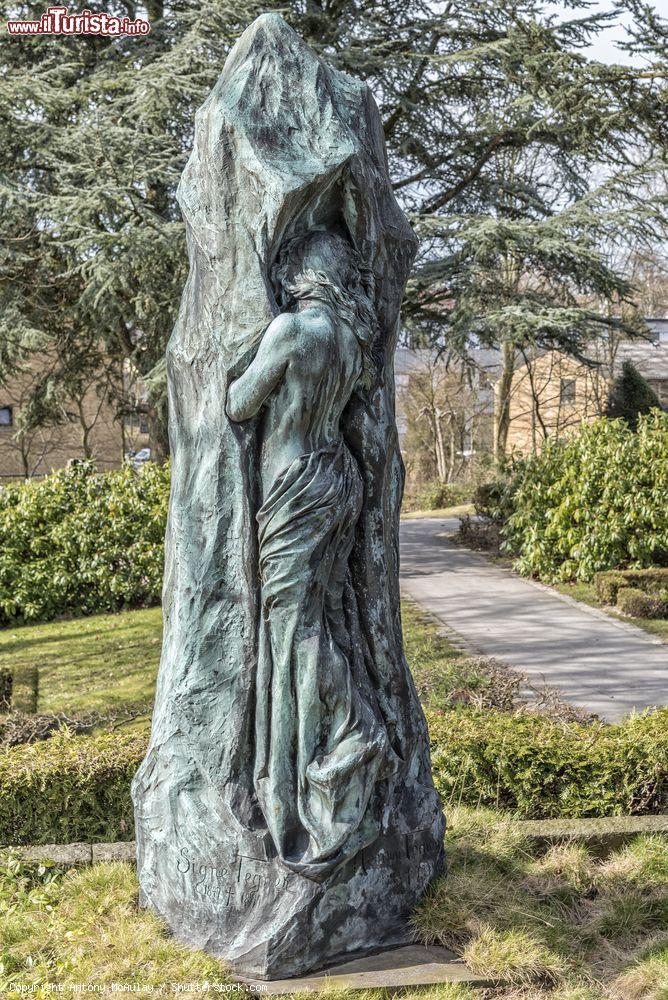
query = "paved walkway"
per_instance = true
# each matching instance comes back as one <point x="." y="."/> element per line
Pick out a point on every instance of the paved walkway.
<point x="603" y="665"/>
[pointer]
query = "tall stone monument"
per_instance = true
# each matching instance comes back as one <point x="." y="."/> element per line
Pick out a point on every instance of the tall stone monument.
<point x="286" y="816"/>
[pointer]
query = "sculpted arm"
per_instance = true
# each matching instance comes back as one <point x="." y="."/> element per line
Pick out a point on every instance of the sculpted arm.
<point x="247" y="395"/>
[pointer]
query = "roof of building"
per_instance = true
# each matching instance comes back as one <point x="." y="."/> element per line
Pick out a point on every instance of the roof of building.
<point x="408" y="359"/>
<point x="650" y="356"/>
<point x="658" y="325"/>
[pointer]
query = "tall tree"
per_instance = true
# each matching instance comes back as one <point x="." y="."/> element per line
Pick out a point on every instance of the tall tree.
<point x="95" y="133"/>
<point x="495" y="119"/>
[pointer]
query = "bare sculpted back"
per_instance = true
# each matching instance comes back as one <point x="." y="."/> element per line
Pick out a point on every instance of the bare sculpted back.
<point x="304" y="373"/>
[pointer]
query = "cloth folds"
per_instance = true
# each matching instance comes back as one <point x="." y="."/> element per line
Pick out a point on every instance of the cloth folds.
<point x="320" y="746"/>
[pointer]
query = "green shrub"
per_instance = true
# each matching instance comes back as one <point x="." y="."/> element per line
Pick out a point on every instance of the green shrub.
<point x="631" y="395"/>
<point x="79" y="541"/>
<point x="68" y="788"/>
<point x="639" y="604"/>
<point x="607" y="584"/>
<point x="538" y="768"/>
<point x="488" y="498"/>
<point x="437" y="495"/>
<point x="593" y="501"/>
<point x="74" y="788"/>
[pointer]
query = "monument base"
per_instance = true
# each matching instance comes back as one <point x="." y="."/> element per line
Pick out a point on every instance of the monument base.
<point x="268" y="923"/>
<point x="412" y="965"/>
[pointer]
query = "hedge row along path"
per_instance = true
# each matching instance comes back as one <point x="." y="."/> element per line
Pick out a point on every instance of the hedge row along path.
<point x="602" y="665"/>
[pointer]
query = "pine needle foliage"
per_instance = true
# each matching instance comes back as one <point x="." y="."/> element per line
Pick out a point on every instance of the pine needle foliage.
<point x="631" y="395"/>
<point x="520" y="160"/>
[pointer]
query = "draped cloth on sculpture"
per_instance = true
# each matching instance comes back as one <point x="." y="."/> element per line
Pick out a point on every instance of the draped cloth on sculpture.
<point x="319" y="744"/>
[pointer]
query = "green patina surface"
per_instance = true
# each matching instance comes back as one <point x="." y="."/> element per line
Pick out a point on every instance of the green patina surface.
<point x="288" y="744"/>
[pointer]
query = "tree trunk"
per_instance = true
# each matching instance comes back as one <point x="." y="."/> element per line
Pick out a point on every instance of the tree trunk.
<point x="441" y="460"/>
<point x="85" y="431"/>
<point x="503" y="393"/>
<point x="156" y="418"/>
<point x="453" y="451"/>
<point x="25" y="458"/>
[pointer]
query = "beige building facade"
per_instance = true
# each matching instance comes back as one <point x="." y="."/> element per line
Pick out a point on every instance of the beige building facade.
<point x="550" y="396"/>
<point x="552" y="393"/>
<point x="87" y="428"/>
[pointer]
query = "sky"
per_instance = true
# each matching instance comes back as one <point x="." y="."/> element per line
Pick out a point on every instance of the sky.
<point x="604" y="48"/>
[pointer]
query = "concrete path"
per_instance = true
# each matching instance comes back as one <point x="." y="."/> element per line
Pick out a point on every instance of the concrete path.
<point x="597" y="662"/>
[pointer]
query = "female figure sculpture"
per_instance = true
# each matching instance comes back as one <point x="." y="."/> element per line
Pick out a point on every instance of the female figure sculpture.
<point x="320" y="743"/>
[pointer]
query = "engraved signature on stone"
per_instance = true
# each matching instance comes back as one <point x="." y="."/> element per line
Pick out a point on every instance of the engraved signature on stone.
<point x="234" y="883"/>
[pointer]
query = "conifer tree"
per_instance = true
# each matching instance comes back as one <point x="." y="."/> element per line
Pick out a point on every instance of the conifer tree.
<point x="496" y="123"/>
<point x="631" y="395"/>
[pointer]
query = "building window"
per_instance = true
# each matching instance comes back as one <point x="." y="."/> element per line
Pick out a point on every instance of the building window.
<point x="6" y="416"/>
<point x="568" y="390"/>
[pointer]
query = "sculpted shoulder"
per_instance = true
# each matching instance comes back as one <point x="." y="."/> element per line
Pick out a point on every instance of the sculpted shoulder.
<point x="301" y="334"/>
<point x="317" y="320"/>
<point x="282" y="327"/>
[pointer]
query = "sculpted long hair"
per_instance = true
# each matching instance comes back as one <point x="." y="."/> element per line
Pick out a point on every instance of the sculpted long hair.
<point x="348" y="289"/>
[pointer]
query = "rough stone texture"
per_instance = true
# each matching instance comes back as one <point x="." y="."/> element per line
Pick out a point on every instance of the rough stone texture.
<point x="68" y="855"/>
<point x="284" y="145"/>
<point x="610" y="832"/>
<point x="124" y="850"/>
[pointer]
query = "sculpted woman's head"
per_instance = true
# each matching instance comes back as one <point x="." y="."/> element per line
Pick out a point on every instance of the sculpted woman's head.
<point x="326" y="267"/>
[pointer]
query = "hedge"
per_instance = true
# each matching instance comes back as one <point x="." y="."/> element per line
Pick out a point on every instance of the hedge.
<point x="640" y="604"/>
<point x="608" y="583"/>
<point x="541" y="769"/>
<point x="79" y="542"/>
<point x="72" y="788"/>
<point x="69" y="788"/>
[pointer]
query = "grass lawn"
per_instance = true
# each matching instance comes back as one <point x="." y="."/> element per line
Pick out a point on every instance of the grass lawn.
<point x="102" y="663"/>
<point x="459" y="511"/>
<point x="427" y="649"/>
<point x="109" y="662"/>
<point x="586" y="593"/>
<point x="562" y="925"/>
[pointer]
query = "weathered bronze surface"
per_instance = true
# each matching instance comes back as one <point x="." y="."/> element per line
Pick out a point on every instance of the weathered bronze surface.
<point x="286" y="816"/>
